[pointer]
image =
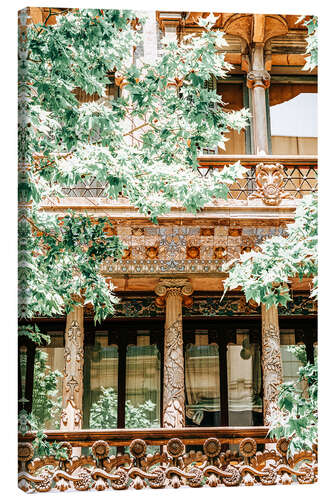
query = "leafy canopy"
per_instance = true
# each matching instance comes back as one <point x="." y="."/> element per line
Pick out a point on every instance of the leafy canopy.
<point x="312" y="42"/>
<point x="264" y="275"/>
<point x="142" y="145"/>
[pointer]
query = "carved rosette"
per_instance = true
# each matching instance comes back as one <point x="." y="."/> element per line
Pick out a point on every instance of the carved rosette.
<point x="173" y="388"/>
<point x="71" y="417"/>
<point x="270" y="179"/>
<point x="271" y="360"/>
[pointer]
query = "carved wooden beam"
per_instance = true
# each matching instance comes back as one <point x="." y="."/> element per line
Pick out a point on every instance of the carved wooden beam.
<point x="173" y="384"/>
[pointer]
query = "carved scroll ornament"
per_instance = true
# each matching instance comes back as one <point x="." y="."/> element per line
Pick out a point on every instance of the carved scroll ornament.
<point x="180" y="286"/>
<point x="272" y="369"/>
<point x="174" y="397"/>
<point x="258" y="78"/>
<point x="174" y="393"/>
<point x="269" y="179"/>
<point x="71" y="416"/>
<point x="172" y="469"/>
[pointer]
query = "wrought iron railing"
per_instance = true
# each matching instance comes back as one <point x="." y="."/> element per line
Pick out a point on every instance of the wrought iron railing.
<point x="299" y="176"/>
<point x="194" y="457"/>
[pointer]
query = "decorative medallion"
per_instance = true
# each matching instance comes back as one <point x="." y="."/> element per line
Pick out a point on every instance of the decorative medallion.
<point x="138" y="448"/>
<point x="175" y="447"/>
<point x="212" y="447"/>
<point x="100" y="449"/>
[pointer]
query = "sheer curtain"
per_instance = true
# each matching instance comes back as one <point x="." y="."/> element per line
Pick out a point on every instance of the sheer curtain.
<point x="100" y="383"/>
<point x="142" y="406"/>
<point x="244" y="382"/>
<point x="202" y="382"/>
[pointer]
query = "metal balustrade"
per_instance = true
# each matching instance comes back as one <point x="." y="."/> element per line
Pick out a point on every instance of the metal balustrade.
<point x="300" y="176"/>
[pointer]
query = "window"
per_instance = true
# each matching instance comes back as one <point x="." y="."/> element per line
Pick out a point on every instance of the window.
<point x="142" y="401"/>
<point x="100" y="400"/>
<point x="291" y="361"/>
<point x="293" y="118"/>
<point x="244" y="381"/>
<point x="202" y="382"/>
<point x="122" y="381"/>
<point x="49" y="365"/>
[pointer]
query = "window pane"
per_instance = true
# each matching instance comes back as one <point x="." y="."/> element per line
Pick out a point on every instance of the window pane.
<point x="293" y="116"/>
<point x="202" y="383"/>
<point x="244" y="383"/>
<point x="142" y="385"/>
<point x="48" y="381"/>
<point x="100" y="384"/>
<point x="292" y="355"/>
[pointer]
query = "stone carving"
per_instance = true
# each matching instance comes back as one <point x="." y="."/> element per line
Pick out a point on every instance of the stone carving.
<point x="271" y="361"/>
<point x="71" y="416"/>
<point x="167" y="285"/>
<point x="258" y="78"/>
<point x="269" y="179"/>
<point x="174" y="397"/>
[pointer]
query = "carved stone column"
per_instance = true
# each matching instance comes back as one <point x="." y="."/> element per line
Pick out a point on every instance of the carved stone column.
<point x="71" y="416"/>
<point x="173" y="380"/>
<point x="258" y="80"/>
<point x="271" y="359"/>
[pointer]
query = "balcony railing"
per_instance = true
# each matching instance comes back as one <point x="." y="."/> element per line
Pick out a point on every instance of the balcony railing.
<point x="193" y="457"/>
<point x="299" y="176"/>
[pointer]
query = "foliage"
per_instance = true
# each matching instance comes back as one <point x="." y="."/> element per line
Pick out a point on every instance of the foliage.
<point x="33" y="333"/>
<point x="299" y="352"/>
<point x="45" y="449"/>
<point x="142" y="145"/>
<point x="59" y="265"/>
<point x="297" y="419"/>
<point x="46" y="402"/>
<point x="40" y="444"/>
<point x="103" y="413"/>
<point x="312" y="42"/>
<point x="264" y="274"/>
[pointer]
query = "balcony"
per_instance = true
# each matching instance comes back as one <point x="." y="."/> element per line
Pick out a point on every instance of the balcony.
<point x="299" y="176"/>
<point x="222" y="457"/>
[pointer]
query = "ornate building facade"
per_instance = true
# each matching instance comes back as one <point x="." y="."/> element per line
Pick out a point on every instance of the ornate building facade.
<point x="204" y="371"/>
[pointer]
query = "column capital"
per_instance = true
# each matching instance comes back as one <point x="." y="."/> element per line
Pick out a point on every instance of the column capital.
<point x="174" y="286"/>
<point x="258" y="78"/>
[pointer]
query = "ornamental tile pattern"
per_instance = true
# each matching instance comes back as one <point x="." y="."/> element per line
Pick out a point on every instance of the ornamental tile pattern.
<point x="173" y="241"/>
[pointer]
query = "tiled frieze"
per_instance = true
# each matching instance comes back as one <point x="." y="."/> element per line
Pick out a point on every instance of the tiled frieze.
<point x="185" y="248"/>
